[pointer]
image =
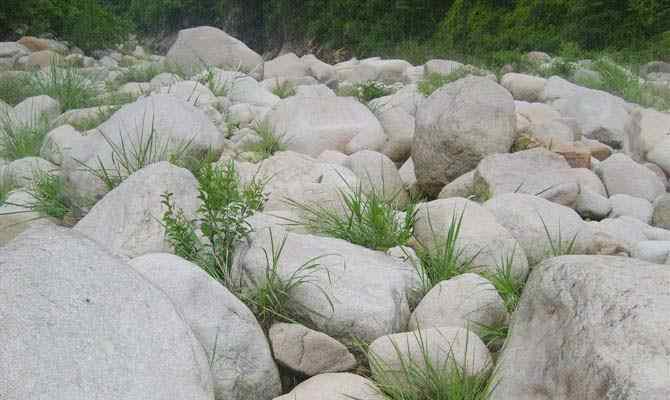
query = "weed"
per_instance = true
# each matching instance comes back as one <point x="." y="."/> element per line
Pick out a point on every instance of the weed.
<point x="139" y="73"/>
<point x="101" y="115"/>
<point x="433" y="81"/>
<point x="421" y="378"/>
<point x="558" y="246"/>
<point x="222" y="220"/>
<point x="368" y="220"/>
<point x="444" y="259"/>
<point x="15" y="88"/>
<point x="195" y="161"/>
<point x="508" y="285"/>
<point x="18" y="140"/>
<point x="269" y="143"/>
<point x="211" y="79"/>
<point x="52" y="198"/>
<point x="67" y="85"/>
<point x="365" y="91"/>
<point x="479" y="191"/>
<point x="283" y="89"/>
<point x="493" y="336"/>
<point x="271" y="300"/>
<point x="6" y="186"/>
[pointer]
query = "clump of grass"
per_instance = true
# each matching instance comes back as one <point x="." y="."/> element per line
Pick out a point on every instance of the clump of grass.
<point x="210" y="79"/>
<point x="479" y="191"/>
<point x="6" y="186"/>
<point x="420" y="378"/>
<point x="16" y="88"/>
<point x="101" y="115"/>
<point x="67" y="85"/>
<point x="433" y="81"/>
<point x="558" y="245"/>
<point x="221" y="218"/>
<point x="271" y="300"/>
<point x="52" y="198"/>
<point x="369" y="219"/>
<point x="130" y="155"/>
<point x="139" y="73"/>
<point x="269" y="143"/>
<point x="444" y="259"/>
<point x="365" y="91"/>
<point x="493" y="336"/>
<point x="196" y="161"/>
<point x="283" y="89"/>
<point x="18" y="140"/>
<point x="508" y="284"/>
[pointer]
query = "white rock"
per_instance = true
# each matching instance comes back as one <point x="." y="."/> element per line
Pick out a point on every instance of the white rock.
<point x="22" y="171"/>
<point x="58" y="142"/>
<point x="622" y="175"/>
<point x="629" y="206"/>
<point x="442" y="67"/>
<point x="342" y="386"/>
<point x="398" y="126"/>
<point x="524" y="87"/>
<point x="655" y="251"/>
<point x="286" y="66"/>
<point x="377" y="174"/>
<point x="36" y="110"/>
<point x="590" y="204"/>
<point x="320" y="70"/>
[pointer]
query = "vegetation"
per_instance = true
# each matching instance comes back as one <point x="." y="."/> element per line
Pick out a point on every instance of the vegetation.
<point x="18" y="140"/>
<point x="433" y="81"/>
<point x="6" y="186"/>
<point x="15" y="88"/>
<point x="420" y="378"/>
<point x="283" y="89"/>
<point x="365" y="91"/>
<point x="508" y="284"/>
<point x="52" y="198"/>
<point x="269" y="142"/>
<point x="367" y="219"/>
<point x="558" y="245"/>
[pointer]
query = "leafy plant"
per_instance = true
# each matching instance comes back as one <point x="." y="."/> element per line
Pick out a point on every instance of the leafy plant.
<point x="420" y="378"/>
<point x="558" y="246"/>
<point x="196" y="161"/>
<point x="283" y="89"/>
<point x="221" y="218"/>
<point x="19" y="140"/>
<point x="67" y="85"/>
<point x="368" y="219"/>
<point x="271" y="299"/>
<point x="444" y="259"/>
<point x="269" y="143"/>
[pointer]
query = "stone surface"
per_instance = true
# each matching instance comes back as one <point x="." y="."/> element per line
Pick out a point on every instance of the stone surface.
<point x="481" y="239"/>
<point x="286" y="66"/>
<point x="37" y="110"/>
<point x="23" y="171"/>
<point x="661" y="216"/>
<point x="16" y="215"/>
<point x="240" y="359"/>
<point x="307" y="351"/>
<point x="377" y="174"/>
<point x="81" y="324"/>
<point x="342" y="386"/>
<point x="198" y="48"/>
<point x="457" y="127"/>
<point x="622" y="175"/>
<point x="524" y="87"/>
<point x="468" y="301"/>
<point x="629" y="206"/>
<point x="589" y="327"/>
<point x="346" y="298"/>
<point x="313" y="125"/>
<point x="592" y="205"/>
<point x="127" y="220"/>
<point x="654" y="251"/>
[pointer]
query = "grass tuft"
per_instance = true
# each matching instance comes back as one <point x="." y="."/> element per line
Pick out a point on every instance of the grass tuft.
<point x="52" y="198"/>
<point x="368" y="220"/>
<point x="558" y="246"/>
<point x="365" y="91"/>
<point x="6" y="186"/>
<point x="269" y="143"/>
<point x="433" y="81"/>
<point x="283" y="89"/>
<point x="67" y="85"/>
<point x="16" y="88"/>
<point x="21" y="140"/>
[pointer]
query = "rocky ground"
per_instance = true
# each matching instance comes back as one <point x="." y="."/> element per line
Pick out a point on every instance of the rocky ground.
<point x="212" y="225"/>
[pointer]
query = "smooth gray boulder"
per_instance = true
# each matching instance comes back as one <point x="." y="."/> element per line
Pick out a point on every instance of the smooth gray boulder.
<point x="629" y="206"/>
<point x="459" y="125"/>
<point x="307" y="351"/>
<point x="661" y="215"/>
<point x="238" y="352"/>
<point x="127" y="221"/>
<point x="79" y="323"/>
<point x="589" y="327"/>
<point x="622" y="175"/>
<point x="592" y="205"/>
<point x="378" y="174"/>
<point x="37" y="110"/>
<point x="524" y="87"/>
<point x="334" y="386"/>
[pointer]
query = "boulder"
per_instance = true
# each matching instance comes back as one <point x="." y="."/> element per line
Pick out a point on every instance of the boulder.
<point x="389" y="70"/>
<point x="589" y="327"/>
<point x="442" y="67"/>
<point x="320" y="70"/>
<point x="653" y="127"/>
<point x="377" y="174"/>
<point x="398" y="126"/>
<point x="592" y="205"/>
<point x="79" y="323"/>
<point x="286" y="66"/>
<point x="345" y="297"/>
<point x="622" y="175"/>
<point x="654" y="251"/>
<point x="629" y="206"/>
<point x="16" y="215"/>
<point x="539" y="225"/>
<point x="333" y="386"/>
<point x="57" y="143"/>
<point x="82" y="116"/>
<point x="408" y="98"/>
<point x="239" y="356"/>
<point x="467" y="301"/>
<point x="23" y="171"/>
<point x="191" y="92"/>
<point x="442" y="348"/>
<point x="205" y="46"/>
<point x="127" y="220"/>
<point x="313" y="125"/>
<point x="163" y="79"/>
<point x="307" y="351"/>
<point x="524" y="87"/>
<point x="355" y="71"/>
<point x="43" y="59"/>
<point x="457" y="127"/>
<point x="661" y="215"/>
<point x="37" y="110"/>
<point x="481" y="239"/>
<point x="660" y="154"/>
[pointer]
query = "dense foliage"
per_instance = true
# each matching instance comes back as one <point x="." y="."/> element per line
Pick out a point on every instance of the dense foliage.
<point x="414" y="29"/>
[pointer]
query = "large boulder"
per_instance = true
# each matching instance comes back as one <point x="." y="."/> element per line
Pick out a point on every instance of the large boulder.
<point x="127" y="220"/>
<point x="333" y="386"/>
<point x="481" y="239"/>
<point x="37" y="110"/>
<point x="589" y="327"/>
<point x="654" y="127"/>
<point x="538" y="172"/>
<point x="78" y="323"/>
<point x="661" y="215"/>
<point x="239" y="356"/>
<point x="399" y="127"/>
<point x="538" y="224"/>
<point x="622" y="175"/>
<point x="205" y="46"/>
<point x="377" y="174"/>
<point x="16" y="215"/>
<point x="524" y="87"/>
<point x="660" y="154"/>
<point x="457" y="126"/>
<point x="286" y="66"/>
<point x="313" y="125"/>
<point x="345" y="297"/>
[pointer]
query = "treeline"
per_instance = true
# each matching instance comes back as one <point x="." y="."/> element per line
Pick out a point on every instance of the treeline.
<point x="415" y="29"/>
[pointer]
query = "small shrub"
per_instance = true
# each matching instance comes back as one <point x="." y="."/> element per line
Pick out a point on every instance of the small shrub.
<point x="221" y="218"/>
<point x="444" y="259"/>
<point x="21" y="140"/>
<point x="420" y="378"/>
<point x="269" y="143"/>
<point x="67" y="85"/>
<point x="368" y="220"/>
<point x="271" y="300"/>
<point x="283" y="89"/>
<point x="558" y="245"/>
